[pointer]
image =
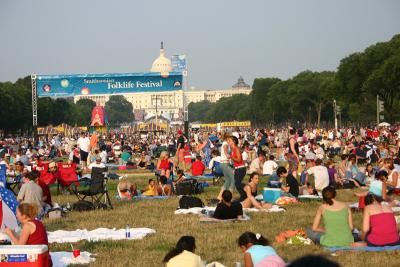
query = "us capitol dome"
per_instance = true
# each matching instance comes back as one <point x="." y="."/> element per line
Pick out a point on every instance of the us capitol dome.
<point x="161" y="64"/>
<point x="169" y="104"/>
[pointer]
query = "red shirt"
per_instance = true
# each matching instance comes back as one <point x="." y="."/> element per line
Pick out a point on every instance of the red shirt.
<point x="197" y="168"/>
<point x="39" y="237"/>
<point x="383" y="229"/>
<point x="46" y="191"/>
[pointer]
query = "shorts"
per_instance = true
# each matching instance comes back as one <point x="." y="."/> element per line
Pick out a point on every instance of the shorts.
<point x="84" y="155"/>
<point x="293" y="162"/>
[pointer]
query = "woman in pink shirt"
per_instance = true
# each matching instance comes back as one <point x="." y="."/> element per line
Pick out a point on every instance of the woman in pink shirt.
<point x="379" y="223"/>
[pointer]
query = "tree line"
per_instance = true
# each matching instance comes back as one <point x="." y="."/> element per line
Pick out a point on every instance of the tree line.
<point x="16" y="109"/>
<point x="308" y="97"/>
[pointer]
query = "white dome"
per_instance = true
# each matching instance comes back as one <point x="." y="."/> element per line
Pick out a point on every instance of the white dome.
<point x="162" y="63"/>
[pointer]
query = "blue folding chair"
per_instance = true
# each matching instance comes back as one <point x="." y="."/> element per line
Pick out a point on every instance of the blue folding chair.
<point x="218" y="175"/>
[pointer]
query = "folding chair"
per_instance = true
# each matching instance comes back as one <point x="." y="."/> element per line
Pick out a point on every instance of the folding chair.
<point x="97" y="189"/>
<point x="218" y="175"/>
<point x="67" y="176"/>
<point x="45" y="176"/>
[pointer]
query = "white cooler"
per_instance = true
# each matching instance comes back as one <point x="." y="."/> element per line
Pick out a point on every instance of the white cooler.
<point x="24" y="255"/>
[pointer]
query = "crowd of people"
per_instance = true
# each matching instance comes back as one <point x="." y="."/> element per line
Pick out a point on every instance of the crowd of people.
<point x="297" y="161"/>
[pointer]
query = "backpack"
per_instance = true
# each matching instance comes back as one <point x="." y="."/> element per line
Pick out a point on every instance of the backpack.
<point x="187" y="202"/>
<point x="189" y="187"/>
<point x="83" y="205"/>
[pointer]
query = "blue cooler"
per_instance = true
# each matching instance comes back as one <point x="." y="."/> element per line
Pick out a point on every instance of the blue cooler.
<point x="271" y="194"/>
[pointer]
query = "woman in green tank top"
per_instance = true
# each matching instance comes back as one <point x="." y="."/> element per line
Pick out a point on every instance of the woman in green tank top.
<point x="338" y="222"/>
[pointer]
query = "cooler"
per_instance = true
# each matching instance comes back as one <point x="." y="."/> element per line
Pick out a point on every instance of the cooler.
<point x="24" y="256"/>
<point x="271" y="194"/>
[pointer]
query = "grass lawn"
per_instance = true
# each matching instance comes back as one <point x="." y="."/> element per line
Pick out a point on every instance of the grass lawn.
<point x="215" y="242"/>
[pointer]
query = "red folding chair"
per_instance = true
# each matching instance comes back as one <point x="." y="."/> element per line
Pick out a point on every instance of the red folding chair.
<point x="46" y="177"/>
<point x="67" y="176"/>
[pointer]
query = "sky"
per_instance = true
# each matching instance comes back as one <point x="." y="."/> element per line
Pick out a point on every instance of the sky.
<point x="222" y="39"/>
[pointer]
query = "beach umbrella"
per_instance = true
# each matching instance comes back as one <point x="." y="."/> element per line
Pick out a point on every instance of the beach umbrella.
<point x="8" y="209"/>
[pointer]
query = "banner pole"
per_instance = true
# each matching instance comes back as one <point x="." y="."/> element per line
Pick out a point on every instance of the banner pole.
<point x="34" y="108"/>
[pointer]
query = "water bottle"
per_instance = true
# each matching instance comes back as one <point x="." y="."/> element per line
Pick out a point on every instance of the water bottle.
<point x="127" y="232"/>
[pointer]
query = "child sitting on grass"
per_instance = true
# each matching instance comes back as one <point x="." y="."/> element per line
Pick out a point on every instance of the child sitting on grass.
<point x="151" y="189"/>
<point x="127" y="190"/>
<point x="257" y="252"/>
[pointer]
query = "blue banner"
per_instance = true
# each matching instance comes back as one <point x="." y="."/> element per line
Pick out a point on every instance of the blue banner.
<point x="108" y="83"/>
<point x="178" y="62"/>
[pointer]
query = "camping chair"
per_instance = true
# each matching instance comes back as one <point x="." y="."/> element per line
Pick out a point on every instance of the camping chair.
<point x="46" y="176"/>
<point x="97" y="189"/>
<point x="218" y="175"/>
<point x="67" y="176"/>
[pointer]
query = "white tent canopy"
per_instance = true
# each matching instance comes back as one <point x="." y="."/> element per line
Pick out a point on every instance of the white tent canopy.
<point x="384" y="124"/>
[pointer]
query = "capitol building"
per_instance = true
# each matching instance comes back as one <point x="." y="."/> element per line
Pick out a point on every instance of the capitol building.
<point x="169" y="104"/>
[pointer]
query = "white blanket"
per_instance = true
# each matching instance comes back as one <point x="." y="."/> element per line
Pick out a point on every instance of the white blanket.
<point x="274" y="208"/>
<point x="61" y="236"/>
<point x="63" y="259"/>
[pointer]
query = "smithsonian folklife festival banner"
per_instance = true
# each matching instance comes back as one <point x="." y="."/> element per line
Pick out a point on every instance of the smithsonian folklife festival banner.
<point x="101" y="84"/>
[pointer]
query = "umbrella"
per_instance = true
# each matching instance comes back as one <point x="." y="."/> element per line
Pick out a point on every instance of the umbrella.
<point x="384" y="124"/>
<point x="8" y="209"/>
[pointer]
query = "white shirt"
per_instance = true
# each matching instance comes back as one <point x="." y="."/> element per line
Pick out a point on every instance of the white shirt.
<point x="96" y="165"/>
<point x="321" y="176"/>
<point x="269" y="167"/>
<point x="224" y="156"/>
<point x="255" y="166"/>
<point x="103" y="156"/>
<point x="84" y="143"/>
<point x="211" y="163"/>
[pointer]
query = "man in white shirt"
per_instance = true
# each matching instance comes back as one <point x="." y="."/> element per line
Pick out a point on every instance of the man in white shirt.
<point x="256" y="166"/>
<point x="270" y="166"/>
<point x="320" y="173"/>
<point x="97" y="163"/>
<point x="84" y="148"/>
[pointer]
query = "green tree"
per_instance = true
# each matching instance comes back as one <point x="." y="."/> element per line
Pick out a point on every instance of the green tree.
<point x="259" y="98"/>
<point x="82" y="111"/>
<point x="119" y="110"/>
<point x="198" y="111"/>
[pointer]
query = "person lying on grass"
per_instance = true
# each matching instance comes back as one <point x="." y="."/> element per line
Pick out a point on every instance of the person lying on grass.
<point x="226" y="209"/>
<point x="257" y="252"/>
<point x="183" y="254"/>
<point x="33" y="231"/>
<point x="251" y="193"/>
<point x="379" y="224"/>
<point x="337" y="220"/>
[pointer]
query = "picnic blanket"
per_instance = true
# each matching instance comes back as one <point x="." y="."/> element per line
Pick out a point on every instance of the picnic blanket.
<point x="64" y="259"/>
<point x="143" y="197"/>
<point x="208" y="219"/>
<point x="363" y="249"/>
<point x="61" y="236"/>
<point x="212" y="209"/>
